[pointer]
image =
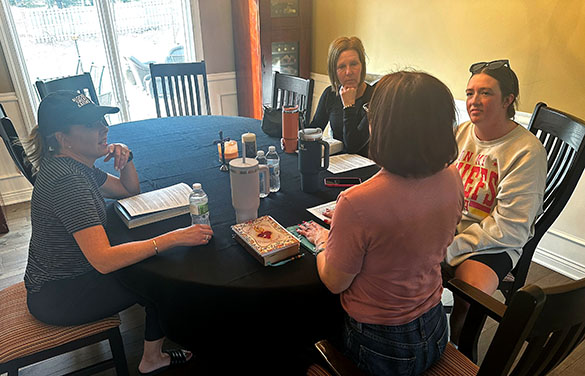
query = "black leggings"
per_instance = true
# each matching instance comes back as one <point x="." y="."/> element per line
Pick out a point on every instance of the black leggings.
<point x="86" y="298"/>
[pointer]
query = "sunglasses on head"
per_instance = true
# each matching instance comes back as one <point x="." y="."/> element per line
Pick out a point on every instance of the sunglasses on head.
<point x="496" y="64"/>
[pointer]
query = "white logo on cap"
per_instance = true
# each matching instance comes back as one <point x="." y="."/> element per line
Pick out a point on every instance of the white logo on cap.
<point x="81" y="100"/>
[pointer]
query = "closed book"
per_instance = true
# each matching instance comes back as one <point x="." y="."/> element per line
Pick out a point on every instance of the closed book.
<point x="266" y="240"/>
<point x="154" y="206"/>
<point x="145" y="219"/>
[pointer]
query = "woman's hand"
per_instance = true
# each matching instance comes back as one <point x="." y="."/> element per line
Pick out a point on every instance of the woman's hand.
<point x="195" y="235"/>
<point x="348" y="95"/>
<point x="120" y="153"/>
<point x="329" y="214"/>
<point x="315" y="233"/>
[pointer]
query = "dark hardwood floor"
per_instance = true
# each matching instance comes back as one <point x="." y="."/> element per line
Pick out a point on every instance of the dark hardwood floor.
<point x="13" y="256"/>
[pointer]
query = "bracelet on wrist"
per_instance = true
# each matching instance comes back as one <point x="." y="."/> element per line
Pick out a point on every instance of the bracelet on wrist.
<point x="155" y="247"/>
<point x="320" y="247"/>
<point x="349" y="106"/>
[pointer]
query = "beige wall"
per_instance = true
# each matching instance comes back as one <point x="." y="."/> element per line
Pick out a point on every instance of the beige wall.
<point x="543" y="39"/>
<point x="218" y="41"/>
<point x="5" y="82"/>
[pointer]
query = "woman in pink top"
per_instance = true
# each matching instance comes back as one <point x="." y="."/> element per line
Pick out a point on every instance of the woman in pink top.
<point x="389" y="235"/>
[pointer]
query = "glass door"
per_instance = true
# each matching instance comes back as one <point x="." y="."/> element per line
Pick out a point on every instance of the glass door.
<point x="113" y="40"/>
<point x="149" y="31"/>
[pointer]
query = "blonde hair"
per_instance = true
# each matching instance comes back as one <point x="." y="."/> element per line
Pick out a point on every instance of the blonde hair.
<point x="38" y="148"/>
<point x="335" y="49"/>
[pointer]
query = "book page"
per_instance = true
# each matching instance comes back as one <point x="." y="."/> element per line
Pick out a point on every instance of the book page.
<point x="347" y="162"/>
<point x="318" y="211"/>
<point x="162" y="199"/>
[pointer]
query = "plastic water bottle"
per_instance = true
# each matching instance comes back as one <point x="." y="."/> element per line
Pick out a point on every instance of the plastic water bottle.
<point x="198" y="206"/>
<point x="273" y="162"/>
<point x="262" y="161"/>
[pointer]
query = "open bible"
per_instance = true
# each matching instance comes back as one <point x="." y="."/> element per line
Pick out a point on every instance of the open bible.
<point x="154" y="206"/>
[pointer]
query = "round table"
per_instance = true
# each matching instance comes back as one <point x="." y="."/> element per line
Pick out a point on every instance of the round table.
<point x="217" y="298"/>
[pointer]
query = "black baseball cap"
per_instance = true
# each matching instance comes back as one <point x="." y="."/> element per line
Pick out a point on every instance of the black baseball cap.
<point x="62" y="109"/>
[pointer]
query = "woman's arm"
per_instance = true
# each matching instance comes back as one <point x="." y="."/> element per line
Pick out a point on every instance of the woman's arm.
<point x="335" y="280"/>
<point x="356" y="130"/>
<point x="95" y="245"/>
<point x="509" y="224"/>
<point x="127" y="184"/>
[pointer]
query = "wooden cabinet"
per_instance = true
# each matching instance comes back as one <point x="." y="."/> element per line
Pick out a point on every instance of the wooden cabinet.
<point x="285" y="39"/>
<point x="283" y="45"/>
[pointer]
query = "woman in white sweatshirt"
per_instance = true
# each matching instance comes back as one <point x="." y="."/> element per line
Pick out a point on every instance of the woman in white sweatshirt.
<point x="503" y="168"/>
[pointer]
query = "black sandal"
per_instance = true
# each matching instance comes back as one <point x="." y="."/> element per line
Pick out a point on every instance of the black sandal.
<point x="177" y="356"/>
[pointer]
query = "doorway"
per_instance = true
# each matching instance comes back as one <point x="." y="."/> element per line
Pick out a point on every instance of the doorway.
<point x="113" y="40"/>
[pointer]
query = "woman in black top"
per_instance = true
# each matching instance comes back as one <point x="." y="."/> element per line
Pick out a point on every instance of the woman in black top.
<point x="68" y="275"/>
<point x="341" y="104"/>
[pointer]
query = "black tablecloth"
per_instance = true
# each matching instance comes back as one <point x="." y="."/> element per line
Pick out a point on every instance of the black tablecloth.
<point x="218" y="297"/>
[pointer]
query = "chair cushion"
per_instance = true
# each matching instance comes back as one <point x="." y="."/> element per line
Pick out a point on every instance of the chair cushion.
<point x="21" y="334"/>
<point x="452" y="363"/>
<point x="317" y="370"/>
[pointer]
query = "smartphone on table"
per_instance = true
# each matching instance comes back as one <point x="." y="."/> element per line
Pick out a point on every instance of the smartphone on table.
<point x="342" y="181"/>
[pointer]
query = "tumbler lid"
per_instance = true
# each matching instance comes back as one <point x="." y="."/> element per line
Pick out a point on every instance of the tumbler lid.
<point x="290" y="109"/>
<point x="311" y="134"/>
<point x="238" y="165"/>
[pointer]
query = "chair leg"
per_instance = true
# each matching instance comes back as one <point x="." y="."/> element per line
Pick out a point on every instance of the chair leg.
<point x="117" y="348"/>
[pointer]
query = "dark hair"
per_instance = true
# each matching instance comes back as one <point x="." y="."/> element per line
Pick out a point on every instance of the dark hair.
<point x="412" y="115"/>
<point x="508" y="82"/>
<point x="335" y="49"/>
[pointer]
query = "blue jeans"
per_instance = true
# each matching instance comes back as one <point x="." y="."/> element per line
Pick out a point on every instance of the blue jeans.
<point x="407" y="349"/>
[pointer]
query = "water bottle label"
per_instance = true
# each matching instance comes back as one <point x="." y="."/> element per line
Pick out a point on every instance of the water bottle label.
<point x="199" y="209"/>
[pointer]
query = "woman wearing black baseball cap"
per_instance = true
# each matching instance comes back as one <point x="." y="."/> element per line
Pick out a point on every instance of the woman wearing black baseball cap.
<point x="68" y="275"/>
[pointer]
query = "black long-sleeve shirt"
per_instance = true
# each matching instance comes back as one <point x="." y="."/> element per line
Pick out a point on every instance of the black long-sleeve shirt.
<point x="349" y="125"/>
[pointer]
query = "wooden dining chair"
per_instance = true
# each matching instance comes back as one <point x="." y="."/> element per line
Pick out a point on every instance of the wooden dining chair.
<point x="537" y="331"/>
<point x="24" y="340"/>
<point x="293" y="91"/>
<point x="81" y="83"/>
<point x="15" y="149"/>
<point x="563" y="137"/>
<point x="178" y="86"/>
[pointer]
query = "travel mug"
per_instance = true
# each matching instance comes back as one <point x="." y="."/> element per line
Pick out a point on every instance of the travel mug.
<point x="290" y="128"/>
<point x="313" y="158"/>
<point x="245" y="187"/>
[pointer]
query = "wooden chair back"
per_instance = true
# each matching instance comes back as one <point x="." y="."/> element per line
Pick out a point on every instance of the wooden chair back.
<point x="178" y="86"/>
<point x="293" y="91"/>
<point x="81" y="83"/>
<point x="15" y="149"/>
<point x="550" y="320"/>
<point x="563" y="137"/>
<point x="537" y="331"/>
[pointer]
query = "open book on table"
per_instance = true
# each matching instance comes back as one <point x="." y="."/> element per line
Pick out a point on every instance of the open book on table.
<point x="154" y="206"/>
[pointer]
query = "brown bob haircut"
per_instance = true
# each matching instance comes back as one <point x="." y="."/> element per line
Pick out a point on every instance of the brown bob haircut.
<point x="335" y="49"/>
<point x="411" y="116"/>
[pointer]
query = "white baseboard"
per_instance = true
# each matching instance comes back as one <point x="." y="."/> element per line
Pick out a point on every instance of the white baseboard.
<point x="571" y="262"/>
<point x="17" y="196"/>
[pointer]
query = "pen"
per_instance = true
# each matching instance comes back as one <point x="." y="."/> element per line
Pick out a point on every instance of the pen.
<point x="287" y="260"/>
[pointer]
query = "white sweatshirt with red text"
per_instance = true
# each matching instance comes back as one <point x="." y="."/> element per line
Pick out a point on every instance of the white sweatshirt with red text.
<point x="503" y="182"/>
